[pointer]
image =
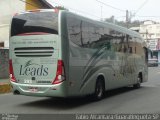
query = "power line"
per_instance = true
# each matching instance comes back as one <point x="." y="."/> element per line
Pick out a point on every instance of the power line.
<point x="64" y="6"/>
<point x="77" y="10"/>
<point x="154" y="18"/>
<point x="141" y="7"/>
<point x="149" y="16"/>
<point x="111" y="6"/>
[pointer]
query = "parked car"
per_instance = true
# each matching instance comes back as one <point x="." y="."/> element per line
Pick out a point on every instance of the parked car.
<point x="153" y="62"/>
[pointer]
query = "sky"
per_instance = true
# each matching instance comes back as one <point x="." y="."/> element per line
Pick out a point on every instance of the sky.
<point x="101" y="9"/>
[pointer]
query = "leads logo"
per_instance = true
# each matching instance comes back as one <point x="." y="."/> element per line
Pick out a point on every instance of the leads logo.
<point x="33" y="69"/>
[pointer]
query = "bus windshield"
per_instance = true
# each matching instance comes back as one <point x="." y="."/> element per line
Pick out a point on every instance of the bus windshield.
<point x="43" y="22"/>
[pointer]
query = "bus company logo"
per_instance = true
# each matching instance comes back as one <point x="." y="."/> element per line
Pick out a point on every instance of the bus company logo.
<point x="33" y="69"/>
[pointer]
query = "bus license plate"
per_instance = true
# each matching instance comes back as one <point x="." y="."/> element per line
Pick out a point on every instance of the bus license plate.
<point x="33" y="89"/>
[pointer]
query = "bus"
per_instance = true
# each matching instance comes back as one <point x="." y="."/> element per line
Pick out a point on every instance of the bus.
<point x="62" y="54"/>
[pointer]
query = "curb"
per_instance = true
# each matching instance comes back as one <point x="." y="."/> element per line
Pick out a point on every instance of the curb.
<point x="5" y="88"/>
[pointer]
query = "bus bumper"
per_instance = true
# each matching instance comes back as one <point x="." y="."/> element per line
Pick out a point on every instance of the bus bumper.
<point x="58" y="90"/>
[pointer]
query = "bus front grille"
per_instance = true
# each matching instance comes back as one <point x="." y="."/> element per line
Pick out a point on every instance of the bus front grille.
<point x="34" y="51"/>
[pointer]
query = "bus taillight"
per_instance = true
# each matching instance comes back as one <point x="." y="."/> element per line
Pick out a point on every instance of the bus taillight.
<point x="12" y="77"/>
<point x="60" y="74"/>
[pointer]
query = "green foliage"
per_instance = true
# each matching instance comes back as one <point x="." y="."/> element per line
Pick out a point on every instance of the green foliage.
<point x="61" y="8"/>
<point x="135" y="23"/>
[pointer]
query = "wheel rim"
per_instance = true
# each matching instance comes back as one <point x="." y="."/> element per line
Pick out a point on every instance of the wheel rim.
<point x="99" y="90"/>
<point x="138" y="82"/>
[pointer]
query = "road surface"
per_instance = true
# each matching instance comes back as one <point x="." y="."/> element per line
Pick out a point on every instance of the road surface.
<point x="124" y="100"/>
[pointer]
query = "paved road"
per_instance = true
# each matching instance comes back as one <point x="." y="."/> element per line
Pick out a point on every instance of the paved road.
<point x="124" y="100"/>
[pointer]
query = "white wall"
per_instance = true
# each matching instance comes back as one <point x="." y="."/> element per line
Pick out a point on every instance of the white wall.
<point x="8" y="8"/>
<point x="4" y="34"/>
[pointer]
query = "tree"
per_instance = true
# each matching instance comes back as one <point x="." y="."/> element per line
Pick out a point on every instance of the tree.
<point x="60" y="8"/>
<point x="135" y="23"/>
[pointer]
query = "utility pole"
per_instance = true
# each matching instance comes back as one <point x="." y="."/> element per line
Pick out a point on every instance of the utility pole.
<point x="101" y="14"/>
<point x="127" y="18"/>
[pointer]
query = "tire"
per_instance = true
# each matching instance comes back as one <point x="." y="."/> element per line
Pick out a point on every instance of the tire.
<point x="138" y="84"/>
<point x="99" y="90"/>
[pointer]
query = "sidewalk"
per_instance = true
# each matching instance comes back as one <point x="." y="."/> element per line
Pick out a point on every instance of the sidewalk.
<point x="5" y="86"/>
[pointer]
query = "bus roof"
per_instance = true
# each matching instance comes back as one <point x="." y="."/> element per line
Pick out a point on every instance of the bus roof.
<point x="110" y="25"/>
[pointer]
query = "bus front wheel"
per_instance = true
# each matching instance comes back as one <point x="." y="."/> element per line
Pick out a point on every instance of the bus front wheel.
<point x="99" y="90"/>
<point x="138" y="84"/>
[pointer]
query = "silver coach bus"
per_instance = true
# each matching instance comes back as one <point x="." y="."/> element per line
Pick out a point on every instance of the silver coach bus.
<point x="63" y="54"/>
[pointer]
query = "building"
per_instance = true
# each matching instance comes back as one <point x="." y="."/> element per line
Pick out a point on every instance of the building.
<point x="150" y="31"/>
<point x="10" y="7"/>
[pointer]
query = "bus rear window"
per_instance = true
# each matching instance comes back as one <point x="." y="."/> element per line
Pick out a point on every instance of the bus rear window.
<point x="46" y="22"/>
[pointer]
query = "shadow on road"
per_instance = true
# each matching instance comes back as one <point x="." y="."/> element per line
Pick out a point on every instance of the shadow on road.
<point x="69" y="103"/>
<point x="118" y="91"/>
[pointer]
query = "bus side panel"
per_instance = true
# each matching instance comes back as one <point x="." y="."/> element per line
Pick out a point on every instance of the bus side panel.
<point x="87" y="43"/>
<point x="140" y="62"/>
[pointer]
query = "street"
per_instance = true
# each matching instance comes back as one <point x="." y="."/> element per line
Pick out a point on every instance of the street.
<point x="123" y="100"/>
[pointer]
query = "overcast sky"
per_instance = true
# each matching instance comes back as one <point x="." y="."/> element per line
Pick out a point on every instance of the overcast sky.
<point x="95" y="9"/>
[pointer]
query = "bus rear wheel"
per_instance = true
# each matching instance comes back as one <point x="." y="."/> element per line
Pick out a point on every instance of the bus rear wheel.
<point x="138" y="84"/>
<point x="99" y="90"/>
